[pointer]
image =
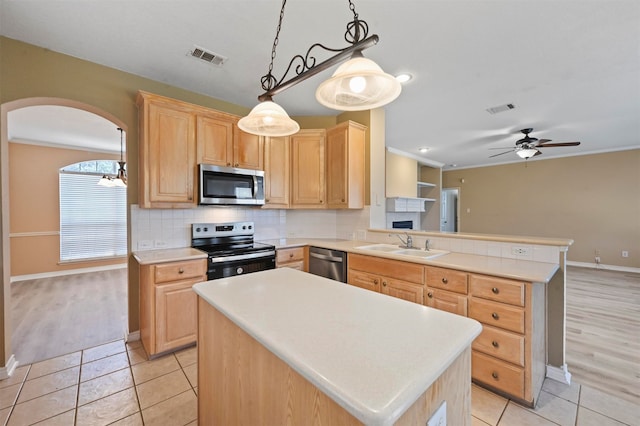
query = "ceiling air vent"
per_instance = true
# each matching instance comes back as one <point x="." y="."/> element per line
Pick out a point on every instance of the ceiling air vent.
<point x="501" y="108"/>
<point x="206" y="56"/>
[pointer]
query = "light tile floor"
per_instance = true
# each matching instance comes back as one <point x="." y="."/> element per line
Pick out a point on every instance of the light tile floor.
<point x="116" y="384"/>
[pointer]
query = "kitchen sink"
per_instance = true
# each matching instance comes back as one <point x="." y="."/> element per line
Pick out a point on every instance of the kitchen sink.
<point x="390" y="248"/>
<point x="421" y="253"/>
<point x="380" y="247"/>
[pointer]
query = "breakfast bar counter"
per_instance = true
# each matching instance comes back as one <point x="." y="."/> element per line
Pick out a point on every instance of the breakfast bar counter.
<point x="283" y="346"/>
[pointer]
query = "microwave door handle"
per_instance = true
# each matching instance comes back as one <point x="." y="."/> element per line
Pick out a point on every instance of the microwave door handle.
<point x="255" y="186"/>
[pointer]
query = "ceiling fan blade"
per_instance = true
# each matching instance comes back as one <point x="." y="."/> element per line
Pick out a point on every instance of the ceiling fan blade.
<point x="503" y="147"/>
<point x="543" y="141"/>
<point x="559" y="144"/>
<point x="506" y="152"/>
<point x="537" y="153"/>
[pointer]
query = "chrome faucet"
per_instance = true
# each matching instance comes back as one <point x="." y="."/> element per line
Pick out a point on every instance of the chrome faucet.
<point x="408" y="243"/>
<point x="427" y="245"/>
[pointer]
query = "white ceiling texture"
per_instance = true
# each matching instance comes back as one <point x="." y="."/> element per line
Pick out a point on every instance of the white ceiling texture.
<point x="571" y="68"/>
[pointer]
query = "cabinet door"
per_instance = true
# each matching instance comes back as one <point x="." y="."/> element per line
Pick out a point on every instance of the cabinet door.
<point x="176" y="315"/>
<point x="345" y="166"/>
<point x="247" y="150"/>
<point x="363" y="280"/>
<point x="307" y="169"/>
<point x="403" y="290"/>
<point x="170" y="152"/>
<point x="276" y="172"/>
<point x="215" y="141"/>
<point x="447" y="301"/>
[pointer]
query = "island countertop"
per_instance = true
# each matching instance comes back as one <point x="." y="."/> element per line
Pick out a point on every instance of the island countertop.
<point x="372" y="354"/>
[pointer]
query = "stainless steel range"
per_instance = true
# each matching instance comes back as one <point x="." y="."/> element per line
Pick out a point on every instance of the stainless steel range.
<point x="231" y="249"/>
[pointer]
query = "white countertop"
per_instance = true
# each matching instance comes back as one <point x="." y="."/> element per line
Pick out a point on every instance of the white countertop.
<point x="372" y="354"/>
<point x="526" y="270"/>
<point x="168" y="255"/>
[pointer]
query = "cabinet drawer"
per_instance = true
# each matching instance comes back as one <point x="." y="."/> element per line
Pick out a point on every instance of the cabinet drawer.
<point x="363" y="280"/>
<point x="289" y="255"/>
<point x="405" y="271"/>
<point x="175" y="271"/>
<point x="299" y="265"/>
<point x="446" y="301"/>
<point x="501" y="290"/>
<point x="497" y="314"/>
<point x="447" y="279"/>
<point x="501" y="344"/>
<point x="498" y="374"/>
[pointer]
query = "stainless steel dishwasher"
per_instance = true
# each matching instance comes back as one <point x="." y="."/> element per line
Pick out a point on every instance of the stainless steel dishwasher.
<point x="328" y="263"/>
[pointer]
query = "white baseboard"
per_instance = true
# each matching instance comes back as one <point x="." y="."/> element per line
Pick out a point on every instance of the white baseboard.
<point x="603" y="266"/>
<point x="559" y="374"/>
<point x="9" y="369"/>
<point x="131" y="337"/>
<point x="18" y="278"/>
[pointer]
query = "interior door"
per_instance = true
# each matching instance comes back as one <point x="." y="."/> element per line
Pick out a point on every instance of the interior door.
<point x="449" y="210"/>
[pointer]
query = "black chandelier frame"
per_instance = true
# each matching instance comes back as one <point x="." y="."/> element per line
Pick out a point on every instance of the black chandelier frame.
<point x="356" y="35"/>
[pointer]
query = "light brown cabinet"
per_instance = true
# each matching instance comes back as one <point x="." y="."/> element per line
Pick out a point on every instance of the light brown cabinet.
<point x="403" y="280"/>
<point x="167" y="153"/>
<point x="446" y="290"/>
<point x="277" y="169"/>
<point x="294" y="257"/>
<point x="509" y="354"/>
<point x="308" y="169"/>
<point x="168" y="305"/>
<point x="345" y="166"/>
<point x="220" y="142"/>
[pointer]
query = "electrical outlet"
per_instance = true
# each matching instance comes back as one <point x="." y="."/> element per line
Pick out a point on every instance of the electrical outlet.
<point x="439" y="418"/>
<point x="159" y="244"/>
<point x="145" y="245"/>
<point x="597" y="259"/>
<point x="520" y="251"/>
<point x="625" y="253"/>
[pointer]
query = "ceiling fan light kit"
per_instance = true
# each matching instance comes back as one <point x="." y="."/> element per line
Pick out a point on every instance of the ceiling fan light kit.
<point x="358" y="84"/>
<point x="527" y="147"/>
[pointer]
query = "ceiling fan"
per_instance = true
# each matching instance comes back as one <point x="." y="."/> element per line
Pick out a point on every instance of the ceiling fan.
<point x="527" y="147"/>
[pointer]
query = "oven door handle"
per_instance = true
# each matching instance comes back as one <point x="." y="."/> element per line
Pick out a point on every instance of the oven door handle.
<point x="221" y="259"/>
<point x="325" y="257"/>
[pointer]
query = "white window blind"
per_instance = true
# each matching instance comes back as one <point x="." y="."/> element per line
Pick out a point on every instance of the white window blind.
<point x="93" y="218"/>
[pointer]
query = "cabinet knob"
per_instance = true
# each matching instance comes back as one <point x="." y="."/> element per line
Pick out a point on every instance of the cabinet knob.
<point x="228" y="164"/>
<point x="236" y="165"/>
<point x="429" y="295"/>
<point x="375" y="281"/>
<point x="495" y="375"/>
<point x="290" y="255"/>
<point x="343" y="200"/>
<point x="384" y="283"/>
<point x="444" y="280"/>
<point x="495" y="316"/>
<point x="267" y="200"/>
<point x="181" y="271"/>
<point x="495" y="290"/>
<point x="495" y="344"/>
<point x="320" y="201"/>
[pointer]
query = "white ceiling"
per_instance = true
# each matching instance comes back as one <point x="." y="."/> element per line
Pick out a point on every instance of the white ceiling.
<point x="571" y="68"/>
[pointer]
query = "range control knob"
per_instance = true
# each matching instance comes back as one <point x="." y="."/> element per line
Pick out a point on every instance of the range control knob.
<point x="197" y="229"/>
<point x="250" y="227"/>
<point x="244" y="226"/>
<point x="239" y="271"/>
<point x="206" y="229"/>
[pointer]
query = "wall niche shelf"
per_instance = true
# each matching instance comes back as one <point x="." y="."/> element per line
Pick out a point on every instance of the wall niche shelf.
<point x="407" y="204"/>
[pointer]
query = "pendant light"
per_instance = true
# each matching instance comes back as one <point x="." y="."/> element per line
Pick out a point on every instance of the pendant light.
<point x="120" y="179"/>
<point x="357" y="85"/>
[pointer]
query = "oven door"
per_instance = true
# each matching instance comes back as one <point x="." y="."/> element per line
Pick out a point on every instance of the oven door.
<point x="222" y="269"/>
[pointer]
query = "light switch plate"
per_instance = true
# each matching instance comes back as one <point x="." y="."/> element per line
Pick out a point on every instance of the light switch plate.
<point x="439" y="418"/>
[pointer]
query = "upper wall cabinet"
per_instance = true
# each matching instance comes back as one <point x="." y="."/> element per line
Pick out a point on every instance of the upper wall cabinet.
<point x="277" y="170"/>
<point x="167" y="153"/>
<point x="345" y="166"/>
<point x="308" y="169"/>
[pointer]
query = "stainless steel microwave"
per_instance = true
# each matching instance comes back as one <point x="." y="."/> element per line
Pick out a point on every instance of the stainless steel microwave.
<point x="230" y="186"/>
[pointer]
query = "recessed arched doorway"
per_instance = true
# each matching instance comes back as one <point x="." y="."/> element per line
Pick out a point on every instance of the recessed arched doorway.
<point x="6" y="350"/>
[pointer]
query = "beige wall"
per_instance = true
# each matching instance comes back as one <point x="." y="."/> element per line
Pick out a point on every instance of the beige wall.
<point x="401" y="176"/>
<point x="592" y="199"/>
<point x="34" y="207"/>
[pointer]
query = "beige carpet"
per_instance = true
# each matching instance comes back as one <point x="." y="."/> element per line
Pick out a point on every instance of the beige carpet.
<point x="56" y="316"/>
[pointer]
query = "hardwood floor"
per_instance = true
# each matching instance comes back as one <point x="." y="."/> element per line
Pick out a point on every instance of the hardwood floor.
<point x="60" y="315"/>
<point x="603" y="330"/>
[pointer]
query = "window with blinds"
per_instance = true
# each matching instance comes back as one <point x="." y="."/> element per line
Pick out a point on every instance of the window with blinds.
<point x="93" y="218"/>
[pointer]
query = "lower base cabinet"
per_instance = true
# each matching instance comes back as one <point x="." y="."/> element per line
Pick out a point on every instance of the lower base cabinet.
<point x="168" y="305"/>
<point x="294" y="257"/>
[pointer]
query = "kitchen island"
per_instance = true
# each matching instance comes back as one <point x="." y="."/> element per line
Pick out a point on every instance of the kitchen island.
<point x="286" y="347"/>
